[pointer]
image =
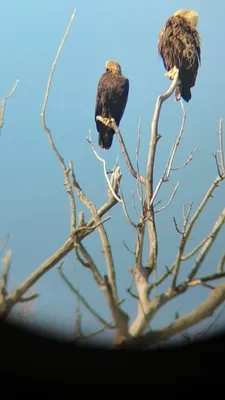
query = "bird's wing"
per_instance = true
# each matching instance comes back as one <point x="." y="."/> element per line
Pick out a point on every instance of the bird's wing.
<point x="178" y="44"/>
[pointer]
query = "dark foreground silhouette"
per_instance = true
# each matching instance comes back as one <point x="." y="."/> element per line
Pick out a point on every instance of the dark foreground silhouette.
<point x="31" y="361"/>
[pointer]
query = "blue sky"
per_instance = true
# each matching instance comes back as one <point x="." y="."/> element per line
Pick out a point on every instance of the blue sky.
<point x="34" y="207"/>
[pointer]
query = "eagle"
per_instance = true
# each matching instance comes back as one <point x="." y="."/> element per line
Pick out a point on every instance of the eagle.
<point x="180" y="48"/>
<point x="111" y="100"/>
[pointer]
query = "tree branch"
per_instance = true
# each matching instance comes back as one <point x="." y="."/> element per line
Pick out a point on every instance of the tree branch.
<point x="169" y="271"/>
<point x="153" y="242"/>
<point x="120" y="200"/>
<point x="4" y="279"/>
<point x="139" y="187"/>
<point x="104" y="239"/>
<point x="188" y="160"/>
<point x="207" y="278"/>
<point x="47" y="130"/>
<point x="120" y="318"/>
<point x="170" y="199"/>
<point x="182" y="244"/>
<point x="195" y="250"/>
<point x="168" y="168"/>
<point x="90" y="264"/>
<point x="105" y="170"/>
<point x="82" y="299"/>
<point x="221" y="150"/>
<point x="186" y="234"/>
<point x="114" y="126"/>
<point x="26" y="299"/>
<point x="150" y="308"/>
<point x="5" y="241"/>
<point x="205" y="310"/>
<point x="208" y="244"/>
<point x="3" y="105"/>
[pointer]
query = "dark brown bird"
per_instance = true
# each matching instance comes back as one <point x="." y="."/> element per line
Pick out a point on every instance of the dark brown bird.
<point x="111" y="100"/>
<point x="179" y="47"/>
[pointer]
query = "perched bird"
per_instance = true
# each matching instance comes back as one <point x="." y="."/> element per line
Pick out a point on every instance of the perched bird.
<point x="111" y="100"/>
<point x="179" y="47"/>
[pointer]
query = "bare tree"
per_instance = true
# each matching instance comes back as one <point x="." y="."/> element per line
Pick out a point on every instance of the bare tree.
<point x="129" y="332"/>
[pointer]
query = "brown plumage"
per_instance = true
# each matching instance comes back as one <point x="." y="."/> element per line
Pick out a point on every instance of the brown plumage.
<point x="111" y="100"/>
<point x="179" y="47"/>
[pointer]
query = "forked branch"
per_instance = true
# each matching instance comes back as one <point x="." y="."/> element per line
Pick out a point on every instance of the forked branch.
<point x="120" y="199"/>
<point x="112" y="124"/>
<point x="191" y="224"/>
<point x="205" y="310"/>
<point x="47" y="130"/>
<point x="153" y="241"/>
<point x="82" y="299"/>
<point x="207" y="245"/>
<point x="166" y="174"/>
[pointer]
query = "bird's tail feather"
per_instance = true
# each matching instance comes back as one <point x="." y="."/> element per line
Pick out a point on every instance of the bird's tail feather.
<point x="105" y="139"/>
<point x="184" y="92"/>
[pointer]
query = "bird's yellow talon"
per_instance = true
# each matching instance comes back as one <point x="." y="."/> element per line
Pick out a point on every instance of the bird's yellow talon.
<point x="171" y="74"/>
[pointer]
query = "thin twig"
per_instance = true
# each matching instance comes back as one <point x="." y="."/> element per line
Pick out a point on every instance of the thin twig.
<point x="81" y="261"/>
<point x="139" y="187"/>
<point x="3" y="105"/>
<point x="47" y="130"/>
<point x="193" y="220"/>
<point x="186" y="216"/>
<point x="78" y="329"/>
<point x="120" y="200"/>
<point x="114" y="126"/>
<point x="126" y="212"/>
<point x="132" y="294"/>
<point x="195" y="250"/>
<point x="134" y="206"/>
<point x="105" y="170"/>
<point x="217" y="165"/>
<point x="102" y="233"/>
<point x="188" y="160"/>
<point x="168" y="168"/>
<point x="128" y="249"/>
<point x="176" y="226"/>
<point x="92" y="334"/>
<point x="85" y="227"/>
<point x="170" y="199"/>
<point x="82" y="299"/>
<point x="207" y="278"/>
<point x="26" y="299"/>
<point x="208" y="244"/>
<point x="5" y="241"/>
<point x="208" y="286"/>
<point x="90" y="263"/>
<point x="120" y="318"/>
<point x="102" y="210"/>
<point x="169" y="271"/>
<point x="221" y="149"/>
<point x="54" y="64"/>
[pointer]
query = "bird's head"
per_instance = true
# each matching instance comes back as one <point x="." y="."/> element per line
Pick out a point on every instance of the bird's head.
<point x="189" y="15"/>
<point x="113" y="67"/>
